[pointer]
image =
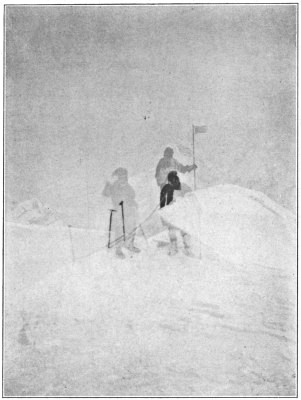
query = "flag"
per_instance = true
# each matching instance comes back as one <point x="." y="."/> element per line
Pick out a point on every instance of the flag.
<point x="200" y="129"/>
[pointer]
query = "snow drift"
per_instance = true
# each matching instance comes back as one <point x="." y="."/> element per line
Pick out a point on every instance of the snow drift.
<point x="242" y="225"/>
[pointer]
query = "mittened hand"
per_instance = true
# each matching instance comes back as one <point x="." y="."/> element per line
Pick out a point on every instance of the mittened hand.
<point x="193" y="167"/>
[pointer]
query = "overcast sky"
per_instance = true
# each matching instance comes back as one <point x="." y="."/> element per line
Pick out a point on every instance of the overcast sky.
<point x="112" y="85"/>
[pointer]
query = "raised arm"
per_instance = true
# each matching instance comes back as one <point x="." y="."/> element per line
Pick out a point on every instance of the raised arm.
<point x="158" y="168"/>
<point x="107" y="190"/>
<point x="184" y="168"/>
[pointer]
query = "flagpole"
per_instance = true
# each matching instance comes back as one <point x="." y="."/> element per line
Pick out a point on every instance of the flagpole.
<point x="194" y="176"/>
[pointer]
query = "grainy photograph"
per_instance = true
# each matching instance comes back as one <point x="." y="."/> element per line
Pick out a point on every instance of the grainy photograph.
<point x="150" y="200"/>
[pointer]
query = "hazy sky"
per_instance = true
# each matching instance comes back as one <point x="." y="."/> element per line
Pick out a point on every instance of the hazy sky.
<point x="90" y="88"/>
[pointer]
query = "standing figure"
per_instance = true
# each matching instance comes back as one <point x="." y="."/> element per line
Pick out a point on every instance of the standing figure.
<point x="122" y="191"/>
<point x="166" y="198"/>
<point x="168" y="164"/>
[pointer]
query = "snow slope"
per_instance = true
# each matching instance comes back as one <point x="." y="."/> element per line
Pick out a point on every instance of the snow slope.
<point x="155" y="325"/>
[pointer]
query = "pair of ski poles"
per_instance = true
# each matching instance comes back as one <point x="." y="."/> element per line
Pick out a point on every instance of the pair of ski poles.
<point x="111" y="218"/>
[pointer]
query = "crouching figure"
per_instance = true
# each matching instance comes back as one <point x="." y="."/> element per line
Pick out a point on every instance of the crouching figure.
<point x="166" y="198"/>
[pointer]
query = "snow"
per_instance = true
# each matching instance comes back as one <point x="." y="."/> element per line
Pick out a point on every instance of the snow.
<point x="80" y="322"/>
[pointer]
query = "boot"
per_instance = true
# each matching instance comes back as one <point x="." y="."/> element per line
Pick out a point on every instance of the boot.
<point x="130" y="246"/>
<point x="119" y="253"/>
<point x="133" y="249"/>
<point x="186" y="242"/>
<point x="173" y="248"/>
<point x="187" y="251"/>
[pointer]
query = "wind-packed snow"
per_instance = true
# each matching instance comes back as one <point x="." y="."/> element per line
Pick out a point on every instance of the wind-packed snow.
<point x="80" y="322"/>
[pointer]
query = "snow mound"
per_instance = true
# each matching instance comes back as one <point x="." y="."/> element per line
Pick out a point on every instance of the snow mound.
<point x="242" y="225"/>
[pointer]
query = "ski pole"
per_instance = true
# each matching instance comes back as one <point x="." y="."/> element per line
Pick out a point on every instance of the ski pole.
<point x="110" y="226"/>
<point x="123" y="227"/>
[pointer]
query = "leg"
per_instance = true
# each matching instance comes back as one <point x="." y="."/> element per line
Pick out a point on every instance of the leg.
<point x="173" y="240"/>
<point x="132" y="225"/>
<point x="118" y="235"/>
<point x="187" y="243"/>
<point x="130" y="244"/>
<point x="186" y="240"/>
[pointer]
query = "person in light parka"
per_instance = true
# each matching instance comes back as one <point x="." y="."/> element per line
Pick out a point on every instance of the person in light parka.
<point x="167" y="164"/>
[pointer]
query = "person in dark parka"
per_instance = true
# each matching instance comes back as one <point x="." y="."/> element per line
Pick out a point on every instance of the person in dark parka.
<point x="166" y="198"/>
<point x="167" y="191"/>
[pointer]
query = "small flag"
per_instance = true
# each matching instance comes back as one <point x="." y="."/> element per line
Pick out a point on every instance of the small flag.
<point x="200" y="129"/>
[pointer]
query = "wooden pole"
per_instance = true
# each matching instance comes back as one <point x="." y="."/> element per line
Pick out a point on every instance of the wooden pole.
<point x="193" y="152"/>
